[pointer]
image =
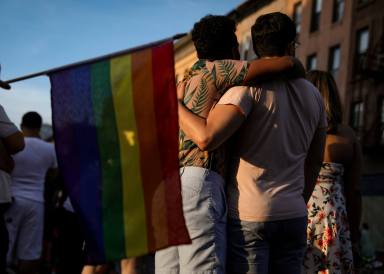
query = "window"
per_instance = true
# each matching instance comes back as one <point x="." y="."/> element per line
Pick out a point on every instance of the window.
<point x="334" y="60"/>
<point x="315" y="17"/>
<point x="312" y="62"/>
<point x="357" y="118"/>
<point x="362" y="45"/>
<point x="338" y="10"/>
<point x="297" y="10"/>
<point x="362" y="41"/>
<point x="382" y="122"/>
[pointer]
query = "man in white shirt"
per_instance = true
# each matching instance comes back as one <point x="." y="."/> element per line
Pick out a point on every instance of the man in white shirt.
<point x="25" y="217"/>
<point x="11" y="141"/>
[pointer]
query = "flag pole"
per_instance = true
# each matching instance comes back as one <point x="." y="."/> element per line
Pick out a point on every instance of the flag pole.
<point x="92" y="60"/>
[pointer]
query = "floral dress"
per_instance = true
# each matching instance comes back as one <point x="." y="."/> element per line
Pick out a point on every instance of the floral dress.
<point x="329" y="248"/>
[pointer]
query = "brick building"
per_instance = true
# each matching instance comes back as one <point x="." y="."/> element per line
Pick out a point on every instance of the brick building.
<point x="345" y="37"/>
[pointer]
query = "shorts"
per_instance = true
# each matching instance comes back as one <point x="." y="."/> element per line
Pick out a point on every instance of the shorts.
<point x="25" y="224"/>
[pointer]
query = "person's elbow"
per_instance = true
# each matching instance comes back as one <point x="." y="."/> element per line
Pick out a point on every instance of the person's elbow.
<point x="19" y="146"/>
<point x="14" y="143"/>
<point x="205" y="143"/>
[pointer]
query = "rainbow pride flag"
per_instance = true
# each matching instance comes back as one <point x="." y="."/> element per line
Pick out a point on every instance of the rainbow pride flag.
<point x="115" y="124"/>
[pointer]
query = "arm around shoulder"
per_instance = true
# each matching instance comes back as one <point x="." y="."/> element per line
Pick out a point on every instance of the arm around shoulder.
<point x="210" y="133"/>
<point x="264" y="68"/>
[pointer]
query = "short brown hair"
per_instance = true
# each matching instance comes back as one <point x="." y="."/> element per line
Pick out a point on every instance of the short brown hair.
<point x="272" y="33"/>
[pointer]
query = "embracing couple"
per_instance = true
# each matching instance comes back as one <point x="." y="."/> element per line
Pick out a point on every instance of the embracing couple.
<point x="251" y="146"/>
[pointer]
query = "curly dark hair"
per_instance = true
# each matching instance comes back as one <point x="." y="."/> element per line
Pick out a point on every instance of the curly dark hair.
<point x="272" y="33"/>
<point x="214" y="37"/>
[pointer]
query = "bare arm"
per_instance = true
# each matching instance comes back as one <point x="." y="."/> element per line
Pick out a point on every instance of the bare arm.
<point x="266" y="68"/>
<point x="313" y="162"/>
<point x="210" y="133"/>
<point x="6" y="162"/>
<point x="14" y="142"/>
<point x="352" y="177"/>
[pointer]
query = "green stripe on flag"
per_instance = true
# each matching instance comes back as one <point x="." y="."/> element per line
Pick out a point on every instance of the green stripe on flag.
<point x="105" y="121"/>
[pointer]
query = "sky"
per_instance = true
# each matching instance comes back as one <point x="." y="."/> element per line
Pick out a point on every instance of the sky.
<point x="42" y="34"/>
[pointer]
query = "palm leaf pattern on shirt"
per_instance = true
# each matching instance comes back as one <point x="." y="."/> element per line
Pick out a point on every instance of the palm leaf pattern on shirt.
<point x="189" y="94"/>
<point x="239" y="79"/>
<point x="201" y="98"/>
<point x="226" y="69"/>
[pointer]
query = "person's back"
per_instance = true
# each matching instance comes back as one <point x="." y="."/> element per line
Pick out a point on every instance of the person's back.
<point x="270" y="152"/>
<point x="25" y="216"/>
<point x="31" y="166"/>
<point x="278" y="152"/>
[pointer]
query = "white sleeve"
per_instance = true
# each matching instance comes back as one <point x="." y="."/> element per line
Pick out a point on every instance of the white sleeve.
<point x="240" y="97"/>
<point x="7" y="128"/>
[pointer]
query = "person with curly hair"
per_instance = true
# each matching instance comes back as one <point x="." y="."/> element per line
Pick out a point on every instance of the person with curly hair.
<point x="202" y="172"/>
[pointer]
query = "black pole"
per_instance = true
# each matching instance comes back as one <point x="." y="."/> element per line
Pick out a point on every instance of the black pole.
<point x="5" y="84"/>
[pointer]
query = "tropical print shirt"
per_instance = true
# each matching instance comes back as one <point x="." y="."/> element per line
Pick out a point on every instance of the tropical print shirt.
<point x="203" y="85"/>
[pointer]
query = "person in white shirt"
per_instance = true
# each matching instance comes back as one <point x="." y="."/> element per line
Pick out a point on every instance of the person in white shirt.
<point x="25" y="217"/>
<point x="11" y="142"/>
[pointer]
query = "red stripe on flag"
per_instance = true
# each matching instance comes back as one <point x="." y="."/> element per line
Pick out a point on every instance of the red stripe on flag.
<point x="167" y="133"/>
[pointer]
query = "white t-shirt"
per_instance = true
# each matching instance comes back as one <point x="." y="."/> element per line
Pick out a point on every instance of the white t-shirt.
<point x="7" y="128"/>
<point x="267" y="175"/>
<point x="31" y="166"/>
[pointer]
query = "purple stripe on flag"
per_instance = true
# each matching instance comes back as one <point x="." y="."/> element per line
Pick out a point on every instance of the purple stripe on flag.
<point x="82" y="170"/>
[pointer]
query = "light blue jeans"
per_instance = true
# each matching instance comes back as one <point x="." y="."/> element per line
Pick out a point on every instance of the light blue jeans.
<point x="205" y="213"/>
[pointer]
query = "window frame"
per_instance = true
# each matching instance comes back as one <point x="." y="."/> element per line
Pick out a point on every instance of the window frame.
<point x="316" y="15"/>
<point x="335" y="12"/>
<point x="331" y="59"/>
<point x="357" y="121"/>
<point x="310" y="57"/>
<point x="295" y="17"/>
<point x="360" y="56"/>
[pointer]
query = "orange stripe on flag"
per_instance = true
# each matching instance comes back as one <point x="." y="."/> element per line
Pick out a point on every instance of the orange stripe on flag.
<point x="150" y="161"/>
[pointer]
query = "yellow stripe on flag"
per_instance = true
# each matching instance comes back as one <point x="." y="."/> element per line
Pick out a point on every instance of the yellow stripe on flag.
<point x="133" y="199"/>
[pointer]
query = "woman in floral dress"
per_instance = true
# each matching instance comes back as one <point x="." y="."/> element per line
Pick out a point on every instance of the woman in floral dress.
<point x="334" y="209"/>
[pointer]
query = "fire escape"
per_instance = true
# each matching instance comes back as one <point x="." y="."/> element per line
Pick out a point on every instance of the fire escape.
<point x="368" y="78"/>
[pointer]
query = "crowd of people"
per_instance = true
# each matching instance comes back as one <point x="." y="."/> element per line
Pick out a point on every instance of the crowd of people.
<point x="269" y="174"/>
